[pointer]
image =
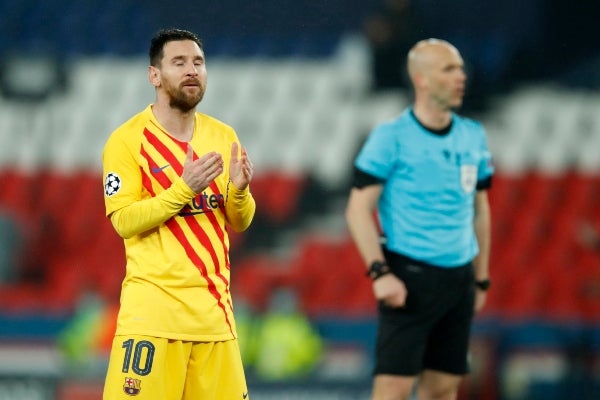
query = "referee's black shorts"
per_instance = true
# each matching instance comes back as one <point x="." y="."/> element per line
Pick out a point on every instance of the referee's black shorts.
<point x="432" y="330"/>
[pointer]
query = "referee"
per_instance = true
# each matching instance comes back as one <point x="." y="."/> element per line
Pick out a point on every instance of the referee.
<point x="426" y="173"/>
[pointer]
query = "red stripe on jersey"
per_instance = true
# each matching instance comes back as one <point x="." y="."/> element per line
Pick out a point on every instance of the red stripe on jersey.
<point x="160" y="176"/>
<point x="164" y="150"/>
<point x="218" y="230"/>
<point x="207" y="243"/>
<point x="178" y="167"/>
<point x="182" y="145"/>
<point x="163" y="180"/>
<point x="147" y="182"/>
<point x="212" y="288"/>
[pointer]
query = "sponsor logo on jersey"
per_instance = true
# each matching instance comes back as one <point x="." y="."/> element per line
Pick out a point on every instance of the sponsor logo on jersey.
<point x="157" y="170"/>
<point x="203" y="203"/>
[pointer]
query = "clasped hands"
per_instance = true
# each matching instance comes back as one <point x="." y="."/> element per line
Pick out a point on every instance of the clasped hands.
<point x="199" y="173"/>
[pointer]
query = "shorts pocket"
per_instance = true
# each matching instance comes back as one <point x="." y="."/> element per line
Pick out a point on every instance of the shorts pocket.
<point x="420" y="286"/>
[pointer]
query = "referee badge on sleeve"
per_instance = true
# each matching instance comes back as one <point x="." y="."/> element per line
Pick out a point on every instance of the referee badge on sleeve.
<point x="468" y="177"/>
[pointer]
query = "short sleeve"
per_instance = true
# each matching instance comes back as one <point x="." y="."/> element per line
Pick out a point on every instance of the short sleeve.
<point x="486" y="166"/>
<point x="379" y="153"/>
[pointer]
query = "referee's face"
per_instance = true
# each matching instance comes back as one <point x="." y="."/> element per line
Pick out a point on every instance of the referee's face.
<point x="447" y="78"/>
<point x="181" y="75"/>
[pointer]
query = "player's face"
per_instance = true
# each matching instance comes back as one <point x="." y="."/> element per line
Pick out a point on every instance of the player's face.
<point x="447" y="79"/>
<point x="183" y="74"/>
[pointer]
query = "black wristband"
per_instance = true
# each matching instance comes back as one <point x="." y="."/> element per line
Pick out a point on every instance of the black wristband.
<point x="483" y="284"/>
<point x="377" y="270"/>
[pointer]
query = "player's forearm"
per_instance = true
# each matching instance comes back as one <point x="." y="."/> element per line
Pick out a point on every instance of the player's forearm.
<point x="240" y="208"/>
<point x="147" y="214"/>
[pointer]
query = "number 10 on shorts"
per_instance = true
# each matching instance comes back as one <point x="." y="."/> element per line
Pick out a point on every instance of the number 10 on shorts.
<point x="134" y="354"/>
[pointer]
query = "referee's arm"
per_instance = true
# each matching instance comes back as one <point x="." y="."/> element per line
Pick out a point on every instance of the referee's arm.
<point x="365" y="193"/>
<point x="482" y="224"/>
<point x="361" y="222"/>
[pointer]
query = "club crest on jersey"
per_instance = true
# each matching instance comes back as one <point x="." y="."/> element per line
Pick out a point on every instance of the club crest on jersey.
<point x="132" y="386"/>
<point x="468" y="177"/>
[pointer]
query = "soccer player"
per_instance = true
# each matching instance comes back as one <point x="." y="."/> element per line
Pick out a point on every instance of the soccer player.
<point x="175" y="180"/>
<point x="426" y="173"/>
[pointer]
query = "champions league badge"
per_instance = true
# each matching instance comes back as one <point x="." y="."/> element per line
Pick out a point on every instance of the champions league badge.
<point x="132" y="386"/>
<point x="112" y="184"/>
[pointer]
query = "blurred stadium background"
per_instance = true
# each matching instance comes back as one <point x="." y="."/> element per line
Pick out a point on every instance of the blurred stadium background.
<point x="294" y="78"/>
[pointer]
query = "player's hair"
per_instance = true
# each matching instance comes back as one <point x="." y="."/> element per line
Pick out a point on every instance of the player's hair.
<point x="164" y="36"/>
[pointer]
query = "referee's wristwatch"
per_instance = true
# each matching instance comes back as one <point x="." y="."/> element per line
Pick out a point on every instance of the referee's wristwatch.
<point x="377" y="269"/>
<point x="483" y="284"/>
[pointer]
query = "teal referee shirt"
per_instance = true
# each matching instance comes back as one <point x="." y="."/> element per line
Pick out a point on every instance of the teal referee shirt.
<point x="430" y="179"/>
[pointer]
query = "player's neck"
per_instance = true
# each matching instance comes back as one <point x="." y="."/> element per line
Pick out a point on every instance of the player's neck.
<point x="177" y="123"/>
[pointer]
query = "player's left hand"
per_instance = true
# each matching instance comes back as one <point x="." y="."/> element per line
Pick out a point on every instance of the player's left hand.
<point x="240" y="168"/>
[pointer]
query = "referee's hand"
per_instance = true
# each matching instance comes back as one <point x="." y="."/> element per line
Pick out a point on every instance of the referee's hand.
<point x="390" y="290"/>
<point x="480" y="298"/>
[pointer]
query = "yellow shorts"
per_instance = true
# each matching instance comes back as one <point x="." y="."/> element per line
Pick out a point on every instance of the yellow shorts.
<point x="150" y="368"/>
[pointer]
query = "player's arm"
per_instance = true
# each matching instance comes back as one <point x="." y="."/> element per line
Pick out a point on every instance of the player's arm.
<point x="240" y="205"/>
<point x="131" y="215"/>
<point x="143" y="215"/>
<point x="128" y="210"/>
<point x="240" y="208"/>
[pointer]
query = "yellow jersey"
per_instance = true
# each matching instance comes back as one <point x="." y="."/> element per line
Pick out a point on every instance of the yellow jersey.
<point x="177" y="277"/>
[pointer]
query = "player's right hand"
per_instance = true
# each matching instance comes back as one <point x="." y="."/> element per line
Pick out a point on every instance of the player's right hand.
<point x="199" y="173"/>
<point x="390" y="290"/>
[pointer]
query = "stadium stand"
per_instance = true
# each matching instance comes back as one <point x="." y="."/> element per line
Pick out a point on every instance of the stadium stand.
<point x="301" y="136"/>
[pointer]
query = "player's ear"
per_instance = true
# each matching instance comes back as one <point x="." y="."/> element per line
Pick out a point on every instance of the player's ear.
<point x="154" y="76"/>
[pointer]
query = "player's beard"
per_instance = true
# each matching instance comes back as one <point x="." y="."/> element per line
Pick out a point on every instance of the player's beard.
<point x="183" y="101"/>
